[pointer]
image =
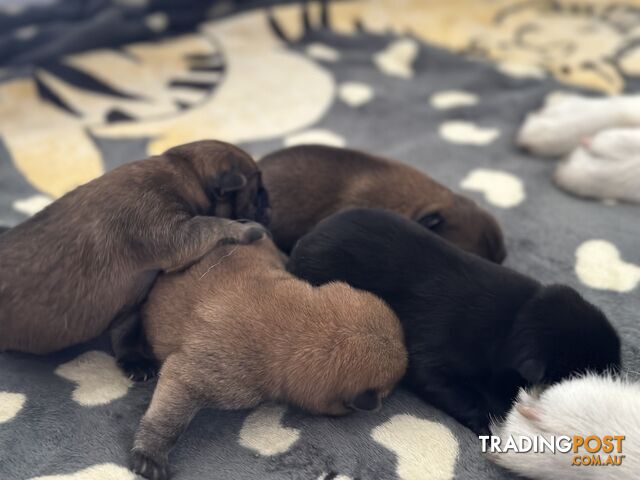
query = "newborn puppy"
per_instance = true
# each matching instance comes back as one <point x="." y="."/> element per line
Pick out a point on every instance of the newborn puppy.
<point x="236" y="329"/>
<point x="584" y="406"/>
<point x="565" y="119"/>
<point x="606" y="166"/>
<point x="475" y="331"/>
<point x="308" y="183"/>
<point x="92" y="255"/>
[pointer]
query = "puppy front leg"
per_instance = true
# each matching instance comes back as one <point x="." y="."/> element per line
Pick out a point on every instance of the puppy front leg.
<point x="199" y="235"/>
<point x="173" y="405"/>
<point x="461" y="401"/>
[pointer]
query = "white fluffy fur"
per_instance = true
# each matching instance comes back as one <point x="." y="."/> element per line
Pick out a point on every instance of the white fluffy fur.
<point x="590" y="405"/>
<point x="606" y="166"/>
<point x="564" y="121"/>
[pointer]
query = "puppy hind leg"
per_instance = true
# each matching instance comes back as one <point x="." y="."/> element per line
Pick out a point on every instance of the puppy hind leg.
<point x="133" y="353"/>
<point x="199" y="235"/>
<point x="173" y="406"/>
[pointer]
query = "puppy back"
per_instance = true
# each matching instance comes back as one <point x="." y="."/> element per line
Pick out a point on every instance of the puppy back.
<point x="239" y="308"/>
<point x="184" y="306"/>
<point x="310" y="182"/>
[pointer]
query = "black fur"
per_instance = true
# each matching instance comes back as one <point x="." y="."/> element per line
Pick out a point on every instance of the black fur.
<point x="476" y="331"/>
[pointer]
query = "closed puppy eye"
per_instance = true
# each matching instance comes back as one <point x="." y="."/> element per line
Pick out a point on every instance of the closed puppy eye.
<point x="431" y="220"/>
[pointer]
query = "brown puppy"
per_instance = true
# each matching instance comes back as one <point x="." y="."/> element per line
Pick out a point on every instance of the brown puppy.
<point x="236" y="329"/>
<point x="310" y="182"/>
<point x="92" y="255"/>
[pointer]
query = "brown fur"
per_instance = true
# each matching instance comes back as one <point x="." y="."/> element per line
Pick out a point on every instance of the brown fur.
<point x="94" y="253"/>
<point x="237" y="329"/>
<point x="310" y="182"/>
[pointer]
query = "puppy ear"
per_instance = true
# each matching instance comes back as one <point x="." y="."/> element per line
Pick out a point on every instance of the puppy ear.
<point x="532" y="370"/>
<point x="230" y="181"/>
<point x="367" y="401"/>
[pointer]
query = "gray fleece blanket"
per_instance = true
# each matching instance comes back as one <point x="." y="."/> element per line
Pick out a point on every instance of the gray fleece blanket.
<point x="264" y="81"/>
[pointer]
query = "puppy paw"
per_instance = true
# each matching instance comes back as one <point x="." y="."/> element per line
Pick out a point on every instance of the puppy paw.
<point x="253" y="234"/>
<point x="138" y="367"/>
<point x="244" y="232"/>
<point x="147" y="467"/>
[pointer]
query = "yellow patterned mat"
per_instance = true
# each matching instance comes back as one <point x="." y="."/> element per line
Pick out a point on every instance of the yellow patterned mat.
<point x="590" y="44"/>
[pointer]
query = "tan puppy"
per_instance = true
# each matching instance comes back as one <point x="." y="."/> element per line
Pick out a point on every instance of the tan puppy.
<point x="310" y="182"/>
<point x="92" y="255"/>
<point x="236" y="329"/>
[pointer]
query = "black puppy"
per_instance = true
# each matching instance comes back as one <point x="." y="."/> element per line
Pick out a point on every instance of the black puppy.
<point x="475" y="330"/>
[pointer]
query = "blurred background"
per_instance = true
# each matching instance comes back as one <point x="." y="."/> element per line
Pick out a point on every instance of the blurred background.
<point x="87" y="85"/>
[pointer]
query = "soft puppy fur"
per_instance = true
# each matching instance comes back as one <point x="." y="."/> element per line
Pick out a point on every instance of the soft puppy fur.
<point x="475" y="331"/>
<point x="92" y="255"/>
<point x="606" y="166"/>
<point x="236" y="329"/>
<point x="310" y="182"/>
<point x="589" y="405"/>
<point x="565" y="119"/>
